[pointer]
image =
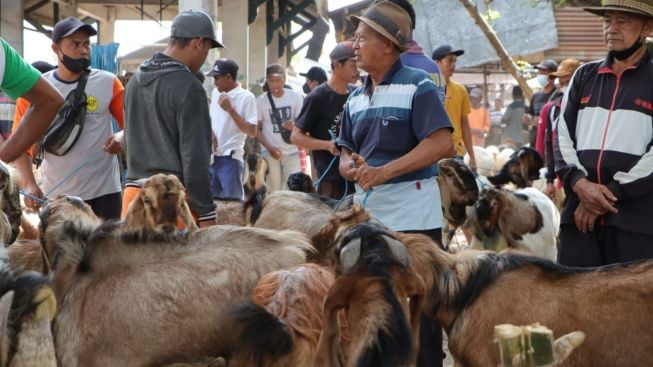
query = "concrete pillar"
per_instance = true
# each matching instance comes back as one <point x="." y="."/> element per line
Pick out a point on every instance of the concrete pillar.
<point x="273" y="47"/>
<point x="11" y="24"/>
<point x="235" y="36"/>
<point x="66" y="9"/>
<point x="107" y="26"/>
<point x="257" y="49"/>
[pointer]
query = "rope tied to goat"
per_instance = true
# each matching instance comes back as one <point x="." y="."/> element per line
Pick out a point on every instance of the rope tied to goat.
<point x="66" y="178"/>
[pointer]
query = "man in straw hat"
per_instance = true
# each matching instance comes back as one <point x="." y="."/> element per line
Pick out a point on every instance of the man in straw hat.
<point x="603" y="149"/>
<point x="394" y="129"/>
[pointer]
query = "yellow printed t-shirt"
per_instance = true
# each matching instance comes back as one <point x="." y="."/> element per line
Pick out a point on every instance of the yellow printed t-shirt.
<point x="457" y="105"/>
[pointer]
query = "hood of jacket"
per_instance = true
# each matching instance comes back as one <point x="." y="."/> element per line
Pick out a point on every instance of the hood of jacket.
<point x="160" y="64"/>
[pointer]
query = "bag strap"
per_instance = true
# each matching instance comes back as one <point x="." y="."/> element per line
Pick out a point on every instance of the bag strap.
<point x="81" y="83"/>
<point x="274" y="108"/>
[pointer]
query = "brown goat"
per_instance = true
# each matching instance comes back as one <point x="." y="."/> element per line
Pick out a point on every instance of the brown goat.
<point x="256" y="174"/>
<point x="310" y="214"/>
<point x="161" y="200"/>
<point x="374" y="283"/>
<point x="473" y="291"/>
<point x="10" y="201"/>
<point x="146" y="298"/>
<point x="283" y="325"/>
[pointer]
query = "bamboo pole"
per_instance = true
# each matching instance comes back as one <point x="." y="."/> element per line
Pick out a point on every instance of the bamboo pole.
<point x="505" y="59"/>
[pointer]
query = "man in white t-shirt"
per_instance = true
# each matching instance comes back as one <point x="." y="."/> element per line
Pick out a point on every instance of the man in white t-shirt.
<point x="275" y="126"/>
<point x="233" y="118"/>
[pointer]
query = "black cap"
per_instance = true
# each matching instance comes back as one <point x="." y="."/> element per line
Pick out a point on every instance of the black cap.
<point x="43" y="66"/>
<point x="315" y="73"/>
<point x="194" y="24"/>
<point x="224" y="67"/>
<point x="445" y="50"/>
<point x="66" y="27"/>
<point x="547" y="65"/>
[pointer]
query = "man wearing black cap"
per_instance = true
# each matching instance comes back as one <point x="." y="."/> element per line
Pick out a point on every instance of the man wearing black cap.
<point x="539" y="99"/>
<point x="314" y="77"/>
<point x="168" y="123"/>
<point x="456" y="103"/>
<point x="233" y="119"/>
<point x="98" y="183"/>
<point x="319" y="120"/>
<point x="603" y="147"/>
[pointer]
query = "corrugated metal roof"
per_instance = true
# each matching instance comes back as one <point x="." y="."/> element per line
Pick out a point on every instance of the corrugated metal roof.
<point x="580" y="35"/>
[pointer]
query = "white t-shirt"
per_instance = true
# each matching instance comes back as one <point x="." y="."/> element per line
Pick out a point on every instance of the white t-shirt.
<point x="101" y="176"/>
<point x="288" y="106"/>
<point x="230" y="137"/>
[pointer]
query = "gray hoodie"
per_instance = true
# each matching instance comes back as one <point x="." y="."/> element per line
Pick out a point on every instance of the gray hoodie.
<point x="168" y="129"/>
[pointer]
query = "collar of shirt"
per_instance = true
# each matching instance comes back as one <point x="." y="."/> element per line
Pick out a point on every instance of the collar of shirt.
<point x="387" y="79"/>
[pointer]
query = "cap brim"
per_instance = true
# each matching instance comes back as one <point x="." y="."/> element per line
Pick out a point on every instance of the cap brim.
<point x="600" y="10"/>
<point x="212" y="73"/>
<point x="215" y="43"/>
<point x="540" y="67"/>
<point x="355" y="20"/>
<point x="303" y="74"/>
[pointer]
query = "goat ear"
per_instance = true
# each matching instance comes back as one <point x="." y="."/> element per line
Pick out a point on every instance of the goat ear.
<point x="186" y="216"/>
<point x="525" y="173"/>
<point x="398" y="249"/>
<point x="135" y="216"/>
<point x="349" y="255"/>
<point x="5" y="307"/>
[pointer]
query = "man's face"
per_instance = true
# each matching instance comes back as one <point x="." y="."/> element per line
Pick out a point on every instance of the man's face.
<point x="221" y="82"/>
<point x="621" y="30"/>
<point x="275" y="83"/>
<point x="75" y="46"/>
<point x="346" y="70"/>
<point x="369" y="46"/>
<point x="447" y="65"/>
<point x="564" y="80"/>
<point x="312" y="84"/>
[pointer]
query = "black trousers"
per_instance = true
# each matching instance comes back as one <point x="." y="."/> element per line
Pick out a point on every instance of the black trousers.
<point x="107" y="206"/>
<point x="430" y="331"/>
<point x="603" y="246"/>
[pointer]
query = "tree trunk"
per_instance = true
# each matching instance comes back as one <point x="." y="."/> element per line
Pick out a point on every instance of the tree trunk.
<point x="505" y="59"/>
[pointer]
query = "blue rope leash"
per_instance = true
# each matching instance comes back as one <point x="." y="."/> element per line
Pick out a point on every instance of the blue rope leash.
<point x="342" y="199"/>
<point x="367" y="195"/>
<point x="482" y="184"/>
<point x="319" y="181"/>
<point x="68" y="176"/>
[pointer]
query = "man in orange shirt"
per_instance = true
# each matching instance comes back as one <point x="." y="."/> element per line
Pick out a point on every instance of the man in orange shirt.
<point x="479" y="118"/>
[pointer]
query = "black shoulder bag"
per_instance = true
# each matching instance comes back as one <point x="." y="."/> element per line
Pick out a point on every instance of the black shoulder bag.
<point x="67" y="126"/>
<point x="277" y="122"/>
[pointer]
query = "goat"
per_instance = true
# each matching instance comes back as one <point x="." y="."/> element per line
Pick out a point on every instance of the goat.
<point x="257" y="172"/>
<point x="310" y="214"/>
<point x="10" y="201"/>
<point x="525" y="219"/>
<point x="161" y="200"/>
<point x="27" y="307"/>
<point x="299" y="181"/>
<point x="521" y="169"/>
<point x="459" y="190"/>
<point x="149" y="298"/>
<point x="374" y="283"/>
<point x="282" y="325"/>
<point x="27" y="255"/>
<point x="230" y="211"/>
<point x="472" y="291"/>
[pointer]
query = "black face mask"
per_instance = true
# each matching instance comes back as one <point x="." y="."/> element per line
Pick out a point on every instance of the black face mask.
<point x="76" y="65"/>
<point x="306" y="88"/>
<point x="624" y="54"/>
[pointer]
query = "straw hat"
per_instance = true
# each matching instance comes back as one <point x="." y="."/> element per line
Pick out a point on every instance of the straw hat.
<point x="390" y="20"/>
<point x="566" y="68"/>
<point x="641" y="7"/>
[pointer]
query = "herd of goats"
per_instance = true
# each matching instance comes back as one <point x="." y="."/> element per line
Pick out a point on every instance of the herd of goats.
<point x="291" y="278"/>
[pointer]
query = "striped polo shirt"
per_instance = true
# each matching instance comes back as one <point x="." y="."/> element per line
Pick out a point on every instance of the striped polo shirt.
<point x="385" y="125"/>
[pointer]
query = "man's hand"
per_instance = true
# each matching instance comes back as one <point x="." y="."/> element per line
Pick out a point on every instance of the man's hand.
<point x="551" y="190"/>
<point x="225" y="103"/>
<point x="288" y="125"/>
<point x="276" y="153"/>
<point x="368" y="177"/>
<point x="355" y="163"/>
<point x="331" y="147"/>
<point x="472" y="163"/>
<point x="113" y="145"/>
<point x="584" y="219"/>
<point x="596" y="198"/>
<point x="35" y="191"/>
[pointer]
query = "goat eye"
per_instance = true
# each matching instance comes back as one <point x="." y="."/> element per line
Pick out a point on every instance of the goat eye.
<point x="147" y="201"/>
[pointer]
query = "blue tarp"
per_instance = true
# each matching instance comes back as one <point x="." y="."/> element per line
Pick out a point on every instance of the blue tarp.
<point x="105" y="57"/>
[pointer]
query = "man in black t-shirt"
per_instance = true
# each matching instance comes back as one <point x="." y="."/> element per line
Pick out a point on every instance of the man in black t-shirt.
<point x="319" y="119"/>
<point x="539" y="99"/>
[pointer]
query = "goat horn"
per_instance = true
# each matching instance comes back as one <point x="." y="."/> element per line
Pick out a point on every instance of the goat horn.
<point x="398" y="249"/>
<point x="349" y="254"/>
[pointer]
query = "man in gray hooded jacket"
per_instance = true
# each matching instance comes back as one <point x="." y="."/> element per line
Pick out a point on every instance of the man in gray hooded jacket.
<point x="167" y="122"/>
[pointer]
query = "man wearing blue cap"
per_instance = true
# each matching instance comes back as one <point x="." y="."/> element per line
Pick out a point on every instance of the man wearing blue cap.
<point x="168" y="123"/>
<point x="98" y="183"/>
